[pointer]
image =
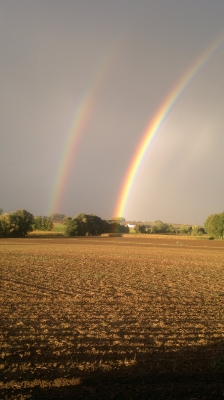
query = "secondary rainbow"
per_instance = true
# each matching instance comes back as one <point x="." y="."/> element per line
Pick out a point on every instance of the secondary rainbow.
<point x="158" y="119"/>
<point x="80" y="120"/>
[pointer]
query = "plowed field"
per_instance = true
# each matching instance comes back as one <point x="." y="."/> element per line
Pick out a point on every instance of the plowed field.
<point x="112" y="318"/>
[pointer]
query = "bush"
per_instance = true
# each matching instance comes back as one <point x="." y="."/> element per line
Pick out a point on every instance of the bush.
<point x="92" y="225"/>
<point x="72" y="228"/>
<point x="86" y="225"/>
<point x="57" y="217"/>
<point x="115" y="227"/>
<point x="184" y="229"/>
<point x="140" y="229"/>
<point x="214" y="225"/>
<point x="16" y="224"/>
<point x="4" y="225"/>
<point x="160" y="227"/>
<point x="42" y="224"/>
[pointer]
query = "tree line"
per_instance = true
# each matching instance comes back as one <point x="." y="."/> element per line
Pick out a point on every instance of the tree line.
<point x="91" y="225"/>
<point x="162" y="228"/>
<point x="19" y="223"/>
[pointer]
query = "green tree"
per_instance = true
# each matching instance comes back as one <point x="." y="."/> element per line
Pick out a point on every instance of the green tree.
<point x="72" y="228"/>
<point x="1" y="211"/>
<point x="42" y="224"/>
<point x="153" y="229"/>
<point x="214" y="225"/>
<point x="124" y="229"/>
<point x="21" y="222"/>
<point x="57" y="217"/>
<point x="160" y="227"/>
<point x="118" y="219"/>
<point x="195" y="230"/>
<point x="82" y="222"/>
<point x="16" y="224"/>
<point x="86" y="225"/>
<point x="66" y="220"/>
<point x="201" y="231"/>
<point x="184" y="228"/>
<point x="115" y="227"/>
<point x="4" y="225"/>
<point x="140" y="228"/>
<point x="93" y="225"/>
<point x="169" y="228"/>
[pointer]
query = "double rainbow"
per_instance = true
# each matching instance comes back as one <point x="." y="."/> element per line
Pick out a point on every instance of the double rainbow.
<point x="86" y="106"/>
<point x="159" y="117"/>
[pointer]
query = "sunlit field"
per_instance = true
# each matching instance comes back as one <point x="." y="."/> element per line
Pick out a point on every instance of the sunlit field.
<point x="112" y="318"/>
<point x="58" y="227"/>
<point x="57" y="231"/>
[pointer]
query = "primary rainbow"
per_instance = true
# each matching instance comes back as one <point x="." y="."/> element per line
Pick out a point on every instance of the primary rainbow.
<point x="157" y="121"/>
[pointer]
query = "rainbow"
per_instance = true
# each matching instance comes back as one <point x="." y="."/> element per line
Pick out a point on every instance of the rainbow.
<point x="158" y="119"/>
<point x="80" y="120"/>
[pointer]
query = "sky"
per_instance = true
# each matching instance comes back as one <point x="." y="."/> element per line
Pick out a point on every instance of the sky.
<point x="81" y="81"/>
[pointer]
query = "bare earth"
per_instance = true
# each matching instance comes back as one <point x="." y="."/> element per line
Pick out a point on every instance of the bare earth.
<point x="112" y="318"/>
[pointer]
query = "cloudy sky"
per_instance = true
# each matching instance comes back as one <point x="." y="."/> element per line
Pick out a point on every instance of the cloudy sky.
<point x="80" y="82"/>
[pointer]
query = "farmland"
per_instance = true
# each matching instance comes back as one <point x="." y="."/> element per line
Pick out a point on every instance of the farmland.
<point x="116" y="318"/>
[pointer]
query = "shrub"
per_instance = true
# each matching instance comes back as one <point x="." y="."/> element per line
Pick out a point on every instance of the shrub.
<point x="214" y="225"/>
<point x="16" y="224"/>
<point x="42" y="224"/>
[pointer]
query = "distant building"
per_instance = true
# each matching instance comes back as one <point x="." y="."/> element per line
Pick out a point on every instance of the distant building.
<point x="131" y="224"/>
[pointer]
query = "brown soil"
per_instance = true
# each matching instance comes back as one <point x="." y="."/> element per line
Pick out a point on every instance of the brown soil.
<point x="112" y="318"/>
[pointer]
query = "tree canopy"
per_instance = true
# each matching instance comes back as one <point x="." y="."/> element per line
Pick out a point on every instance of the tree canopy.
<point x="214" y="225"/>
<point x="140" y="229"/>
<point x="57" y="217"/>
<point x="118" y="219"/>
<point x="16" y="224"/>
<point x="160" y="227"/>
<point x="42" y="224"/>
<point x="184" y="228"/>
<point x="91" y="225"/>
<point x="84" y="225"/>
